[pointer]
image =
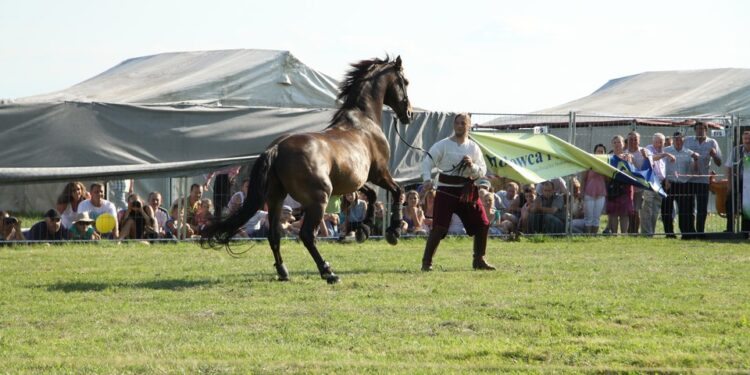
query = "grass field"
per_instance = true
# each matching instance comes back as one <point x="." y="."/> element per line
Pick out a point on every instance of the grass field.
<point x="565" y="305"/>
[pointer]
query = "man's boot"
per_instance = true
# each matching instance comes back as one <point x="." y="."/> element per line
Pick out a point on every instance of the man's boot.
<point x="430" y="248"/>
<point x="480" y="247"/>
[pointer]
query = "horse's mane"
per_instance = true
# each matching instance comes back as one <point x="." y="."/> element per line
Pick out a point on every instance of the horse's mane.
<point x="351" y="87"/>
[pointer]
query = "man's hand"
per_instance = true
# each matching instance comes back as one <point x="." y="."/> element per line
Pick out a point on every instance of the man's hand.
<point x="712" y="153"/>
<point x="467" y="160"/>
<point x="695" y="156"/>
<point x="671" y="157"/>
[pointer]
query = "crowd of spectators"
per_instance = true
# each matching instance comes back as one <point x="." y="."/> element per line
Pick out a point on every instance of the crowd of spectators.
<point x="680" y="163"/>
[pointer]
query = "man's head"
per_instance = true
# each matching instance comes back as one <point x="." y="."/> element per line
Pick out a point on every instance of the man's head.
<point x="52" y="218"/>
<point x="746" y="138"/>
<point x="511" y="189"/>
<point x="548" y="189"/>
<point x="484" y="184"/>
<point x="154" y="199"/>
<point x="529" y="192"/>
<point x="97" y="193"/>
<point x="700" y="128"/>
<point x="658" y="141"/>
<point x="461" y="124"/>
<point x="677" y="140"/>
<point x="196" y="191"/>
<point x="634" y="140"/>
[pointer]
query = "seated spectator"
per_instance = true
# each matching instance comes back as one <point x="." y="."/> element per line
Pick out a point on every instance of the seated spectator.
<point x="577" y="223"/>
<point x="548" y="213"/>
<point x="528" y="199"/>
<point x="67" y="203"/>
<point x="354" y="211"/>
<point x="50" y="229"/>
<point x="83" y="229"/>
<point x="504" y="198"/>
<point x="413" y="215"/>
<point x="257" y="226"/>
<point x="287" y="221"/>
<point x="493" y="215"/>
<point x="160" y="214"/>
<point x="174" y="226"/>
<point x="138" y="221"/>
<point x="559" y="187"/>
<point x="428" y="202"/>
<point x="194" y="201"/>
<point x="10" y="228"/>
<point x="203" y="215"/>
<point x="97" y="205"/>
<point x="378" y="218"/>
<point x="236" y="201"/>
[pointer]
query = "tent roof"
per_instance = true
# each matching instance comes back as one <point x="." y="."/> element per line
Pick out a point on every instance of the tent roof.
<point x="707" y="92"/>
<point x="242" y="77"/>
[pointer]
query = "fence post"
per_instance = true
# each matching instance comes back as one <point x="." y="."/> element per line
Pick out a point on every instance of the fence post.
<point x="569" y="198"/>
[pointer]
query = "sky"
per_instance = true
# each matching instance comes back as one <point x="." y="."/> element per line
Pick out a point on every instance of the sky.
<point x="474" y="56"/>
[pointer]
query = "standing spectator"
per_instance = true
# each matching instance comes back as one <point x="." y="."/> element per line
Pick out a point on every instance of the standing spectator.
<point x="223" y="180"/>
<point x="619" y="203"/>
<point x="594" y="196"/>
<point x="83" y="229"/>
<point x="160" y="214"/>
<point x="67" y="203"/>
<point x="119" y="190"/>
<point x="677" y="187"/>
<point x="639" y="156"/>
<point x="652" y="201"/>
<point x="49" y="229"/>
<point x="10" y="228"/>
<point x="97" y="205"/>
<point x="735" y="169"/>
<point x="708" y="150"/>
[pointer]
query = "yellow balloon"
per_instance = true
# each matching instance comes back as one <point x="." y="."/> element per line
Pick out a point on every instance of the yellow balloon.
<point x="105" y="223"/>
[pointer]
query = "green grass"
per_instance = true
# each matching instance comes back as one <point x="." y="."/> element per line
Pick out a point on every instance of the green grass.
<point x="555" y="305"/>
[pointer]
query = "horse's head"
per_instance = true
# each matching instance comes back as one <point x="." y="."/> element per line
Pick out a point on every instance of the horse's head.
<point x="396" y="96"/>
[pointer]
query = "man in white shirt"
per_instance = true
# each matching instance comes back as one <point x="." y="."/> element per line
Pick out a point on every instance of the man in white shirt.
<point x="709" y="150"/>
<point x="677" y="175"/>
<point x="460" y="162"/>
<point x="97" y="205"/>
<point x="652" y="201"/>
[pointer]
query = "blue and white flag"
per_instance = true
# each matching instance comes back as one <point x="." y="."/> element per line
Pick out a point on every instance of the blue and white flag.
<point x="645" y="176"/>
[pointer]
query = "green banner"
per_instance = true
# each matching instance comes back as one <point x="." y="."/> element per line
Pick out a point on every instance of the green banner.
<point x="534" y="158"/>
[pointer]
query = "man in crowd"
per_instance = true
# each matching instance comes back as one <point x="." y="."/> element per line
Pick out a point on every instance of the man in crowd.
<point x="50" y="229"/>
<point x="676" y="185"/>
<point x="460" y="162"/>
<point x="640" y="156"/>
<point x="735" y="170"/>
<point x="709" y="150"/>
<point x="548" y="212"/>
<point x="97" y="205"/>
<point x="652" y="201"/>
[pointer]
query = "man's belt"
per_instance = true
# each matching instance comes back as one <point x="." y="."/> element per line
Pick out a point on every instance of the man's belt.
<point x="453" y="180"/>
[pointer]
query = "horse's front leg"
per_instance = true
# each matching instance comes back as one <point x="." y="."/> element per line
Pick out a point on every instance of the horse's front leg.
<point x="393" y="232"/>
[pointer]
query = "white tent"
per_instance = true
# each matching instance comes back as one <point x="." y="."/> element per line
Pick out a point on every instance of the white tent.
<point x="169" y="114"/>
<point x="708" y="92"/>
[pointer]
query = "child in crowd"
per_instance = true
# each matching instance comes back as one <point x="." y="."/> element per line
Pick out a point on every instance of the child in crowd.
<point x="203" y="214"/>
<point x="354" y="211"/>
<point x="173" y="226"/>
<point x="82" y="228"/>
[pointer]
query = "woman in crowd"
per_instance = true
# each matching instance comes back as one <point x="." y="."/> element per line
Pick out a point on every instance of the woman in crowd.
<point x="594" y="195"/>
<point x="413" y="214"/>
<point x="619" y="196"/>
<point x="67" y="203"/>
<point x="138" y="221"/>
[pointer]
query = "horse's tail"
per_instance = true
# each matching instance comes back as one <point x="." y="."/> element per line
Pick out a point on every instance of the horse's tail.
<point x="221" y="232"/>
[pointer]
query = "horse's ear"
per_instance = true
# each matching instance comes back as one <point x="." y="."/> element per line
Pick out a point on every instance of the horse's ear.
<point x="398" y="61"/>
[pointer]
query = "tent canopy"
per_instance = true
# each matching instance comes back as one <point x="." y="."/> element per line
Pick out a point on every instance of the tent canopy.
<point x="708" y="92"/>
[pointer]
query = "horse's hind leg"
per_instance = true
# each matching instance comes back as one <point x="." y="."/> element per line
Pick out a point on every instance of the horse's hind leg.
<point x="275" y="201"/>
<point x="366" y="229"/>
<point x="313" y="216"/>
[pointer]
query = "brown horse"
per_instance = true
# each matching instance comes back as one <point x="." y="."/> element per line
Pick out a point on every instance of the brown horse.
<point x="311" y="167"/>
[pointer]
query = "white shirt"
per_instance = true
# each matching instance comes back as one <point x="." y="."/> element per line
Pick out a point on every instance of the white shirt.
<point x="94" y="211"/>
<point x="447" y="154"/>
<point x="704" y="160"/>
<point x="682" y="168"/>
<point x="659" y="166"/>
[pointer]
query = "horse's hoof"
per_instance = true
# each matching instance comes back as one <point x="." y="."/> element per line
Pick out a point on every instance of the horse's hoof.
<point x="332" y="279"/>
<point x="392" y="236"/>
<point x="326" y="271"/>
<point x="361" y="236"/>
<point x="282" y="272"/>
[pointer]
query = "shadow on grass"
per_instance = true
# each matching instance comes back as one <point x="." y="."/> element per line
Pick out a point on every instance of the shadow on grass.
<point x="171" y="284"/>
